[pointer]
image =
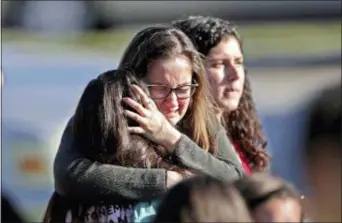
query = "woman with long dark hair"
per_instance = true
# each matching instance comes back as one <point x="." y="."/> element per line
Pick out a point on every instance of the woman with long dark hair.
<point x="219" y="42"/>
<point x="100" y="128"/>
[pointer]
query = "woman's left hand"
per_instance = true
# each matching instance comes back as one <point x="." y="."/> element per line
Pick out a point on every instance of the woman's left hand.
<point x="153" y="124"/>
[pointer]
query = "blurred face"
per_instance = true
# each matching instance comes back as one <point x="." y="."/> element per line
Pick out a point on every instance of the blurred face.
<point x="278" y="210"/>
<point x="164" y="74"/>
<point x="224" y="66"/>
<point x="325" y="182"/>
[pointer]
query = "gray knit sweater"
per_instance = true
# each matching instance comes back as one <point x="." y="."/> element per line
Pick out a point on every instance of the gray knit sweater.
<point x="88" y="181"/>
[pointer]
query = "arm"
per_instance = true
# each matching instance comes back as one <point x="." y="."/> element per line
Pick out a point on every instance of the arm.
<point x="154" y="126"/>
<point x="86" y="180"/>
<point x="226" y="166"/>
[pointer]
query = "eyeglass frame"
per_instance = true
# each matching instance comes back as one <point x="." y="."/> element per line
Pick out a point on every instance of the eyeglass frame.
<point x="173" y="89"/>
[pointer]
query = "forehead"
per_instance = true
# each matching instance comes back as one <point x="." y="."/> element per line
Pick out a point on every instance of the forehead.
<point x="226" y="48"/>
<point x="171" y="71"/>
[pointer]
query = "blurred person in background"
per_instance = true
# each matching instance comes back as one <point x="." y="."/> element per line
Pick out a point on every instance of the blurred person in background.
<point x="203" y="199"/>
<point x="220" y="43"/>
<point x="102" y="131"/>
<point x="179" y="117"/>
<point x="324" y="156"/>
<point x="270" y="199"/>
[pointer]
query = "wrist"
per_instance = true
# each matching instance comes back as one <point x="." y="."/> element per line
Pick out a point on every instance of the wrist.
<point x="172" y="138"/>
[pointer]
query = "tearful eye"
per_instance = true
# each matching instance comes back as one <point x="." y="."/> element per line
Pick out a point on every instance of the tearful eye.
<point x="158" y="91"/>
<point x="183" y="89"/>
<point x="162" y="91"/>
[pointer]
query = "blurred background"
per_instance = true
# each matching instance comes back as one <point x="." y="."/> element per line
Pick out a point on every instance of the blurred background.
<point x="51" y="49"/>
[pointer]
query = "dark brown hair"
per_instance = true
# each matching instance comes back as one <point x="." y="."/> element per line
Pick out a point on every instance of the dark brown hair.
<point x="243" y="125"/>
<point x="202" y="199"/>
<point x="160" y="42"/>
<point x="101" y="130"/>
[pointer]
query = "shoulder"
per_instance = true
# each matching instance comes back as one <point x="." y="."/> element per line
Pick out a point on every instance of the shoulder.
<point x="219" y="134"/>
<point x="216" y="129"/>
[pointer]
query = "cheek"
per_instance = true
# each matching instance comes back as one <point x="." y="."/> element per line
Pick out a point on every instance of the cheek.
<point x="243" y="76"/>
<point x="183" y="105"/>
<point x="215" y="76"/>
<point x="159" y="104"/>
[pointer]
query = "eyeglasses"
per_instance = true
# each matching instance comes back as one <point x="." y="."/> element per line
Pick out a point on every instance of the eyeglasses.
<point x="163" y="91"/>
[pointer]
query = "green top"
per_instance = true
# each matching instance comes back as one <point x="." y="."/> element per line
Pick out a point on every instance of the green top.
<point x="89" y="181"/>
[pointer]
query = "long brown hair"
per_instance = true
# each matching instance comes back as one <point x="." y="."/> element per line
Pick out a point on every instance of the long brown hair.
<point x="159" y="41"/>
<point x="101" y="130"/>
<point x="243" y="125"/>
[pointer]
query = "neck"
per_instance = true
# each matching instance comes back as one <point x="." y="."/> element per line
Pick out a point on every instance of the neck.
<point x="219" y="114"/>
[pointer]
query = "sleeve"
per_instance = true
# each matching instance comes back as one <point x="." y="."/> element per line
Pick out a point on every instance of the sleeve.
<point x="89" y="181"/>
<point x="225" y="166"/>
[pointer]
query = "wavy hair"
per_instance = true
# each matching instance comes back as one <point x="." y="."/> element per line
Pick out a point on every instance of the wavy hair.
<point x="243" y="125"/>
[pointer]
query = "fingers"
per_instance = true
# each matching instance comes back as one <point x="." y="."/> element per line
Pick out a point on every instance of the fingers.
<point x="147" y="102"/>
<point x="188" y="173"/>
<point x="136" y="130"/>
<point x="136" y="106"/>
<point x="136" y="117"/>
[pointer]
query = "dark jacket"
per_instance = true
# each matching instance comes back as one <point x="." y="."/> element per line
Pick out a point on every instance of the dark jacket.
<point x="90" y="181"/>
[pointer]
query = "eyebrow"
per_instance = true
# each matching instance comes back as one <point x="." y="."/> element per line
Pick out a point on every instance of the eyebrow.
<point x="216" y="59"/>
<point x="159" y="83"/>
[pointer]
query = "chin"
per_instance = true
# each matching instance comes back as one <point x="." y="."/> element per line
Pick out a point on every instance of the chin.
<point x="230" y="106"/>
<point x="174" y="120"/>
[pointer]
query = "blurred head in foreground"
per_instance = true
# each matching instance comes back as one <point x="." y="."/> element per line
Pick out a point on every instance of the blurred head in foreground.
<point x="202" y="199"/>
<point x="270" y="199"/>
<point x="324" y="155"/>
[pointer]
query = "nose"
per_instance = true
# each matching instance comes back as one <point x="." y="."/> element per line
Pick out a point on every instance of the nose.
<point x="231" y="72"/>
<point x="172" y="98"/>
